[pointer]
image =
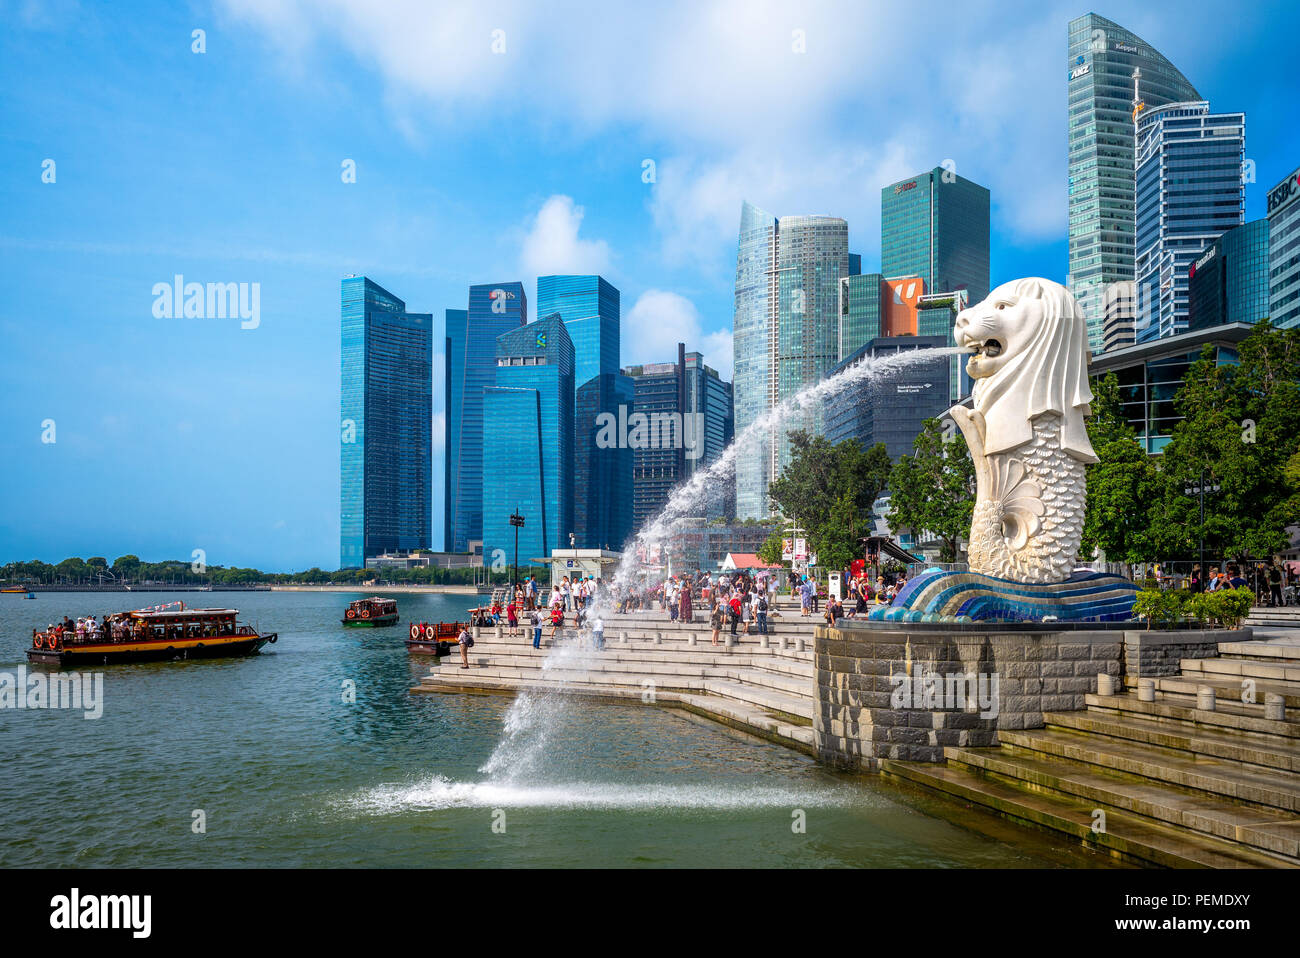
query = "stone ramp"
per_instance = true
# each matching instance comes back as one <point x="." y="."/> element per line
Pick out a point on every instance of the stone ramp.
<point x="1179" y="786"/>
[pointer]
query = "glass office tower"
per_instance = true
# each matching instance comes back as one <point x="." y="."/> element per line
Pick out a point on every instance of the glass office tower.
<point x="860" y="315"/>
<point x="1102" y="56"/>
<point x="1189" y="192"/>
<point x="494" y="309"/>
<point x="528" y="416"/>
<point x="1284" y="252"/>
<point x="936" y="226"/>
<point x="785" y="332"/>
<point x="386" y="458"/>
<point x="453" y="360"/>
<point x="1228" y="281"/>
<point x="590" y="309"/>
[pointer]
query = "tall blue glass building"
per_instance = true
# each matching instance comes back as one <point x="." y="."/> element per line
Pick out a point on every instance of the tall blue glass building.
<point x="1284" y="252"/>
<point x="456" y="327"/>
<point x="590" y="309"/>
<point x="1101" y="58"/>
<point x="494" y="309"/>
<point x="786" y="333"/>
<point x="1189" y="192"/>
<point x="386" y="458"/>
<point x="1228" y="281"/>
<point x="528" y="417"/>
<point x="936" y="226"/>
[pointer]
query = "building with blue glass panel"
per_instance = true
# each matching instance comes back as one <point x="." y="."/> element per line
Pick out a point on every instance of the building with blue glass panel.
<point x="456" y="326"/>
<point x="1228" y="282"/>
<point x="1189" y="193"/>
<point x="1102" y="58"/>
<point x="590" y="309"/>
<point x="386" y="458"/>
<point x="494" y="309"/>
<point x="861" y="318"/>
<point x="936" y="226"/>
<point x="1284" y="252"/>
<point x="1151" y="373"/>
<point x="528" y="419"/>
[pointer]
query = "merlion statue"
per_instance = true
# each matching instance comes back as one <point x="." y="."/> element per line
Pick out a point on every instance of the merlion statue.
<point x="1026" y="429"/>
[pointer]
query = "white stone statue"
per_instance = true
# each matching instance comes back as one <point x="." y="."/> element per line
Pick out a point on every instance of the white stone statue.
<point x="1026" y="431"/>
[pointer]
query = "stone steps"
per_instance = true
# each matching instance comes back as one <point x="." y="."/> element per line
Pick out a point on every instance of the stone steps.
<point x="1239" y="668"/>
<point x="1223" y="778"/>
<point x="1274" y="650"/>
<point x="1171" y="709"/>
<point x="1248" y="748"/>
<point x="1228" y="689"/>
<point x="1132" y="837"/>
<point x="1262" y="830"/>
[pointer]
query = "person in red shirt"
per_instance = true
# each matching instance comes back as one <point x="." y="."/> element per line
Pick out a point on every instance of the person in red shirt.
<point x="735" y="611"/>
<point x="512" y="617"/>
<point x="557" y="621"/>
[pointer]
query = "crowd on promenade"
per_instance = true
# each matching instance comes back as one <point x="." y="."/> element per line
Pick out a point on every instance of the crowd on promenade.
<point x="1273" y="582"/>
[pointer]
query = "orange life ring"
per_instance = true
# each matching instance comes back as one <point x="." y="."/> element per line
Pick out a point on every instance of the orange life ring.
<point x="38" y="641"/>
<point x="416" y="631"/>
<point x="52" y="643"/>
<point x="365" y="613"/>
<point x="430" y="631"/>
<point x="352" y="613"/>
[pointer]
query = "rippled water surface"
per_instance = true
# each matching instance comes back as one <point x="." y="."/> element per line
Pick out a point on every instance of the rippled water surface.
<point x="288" y="774"/>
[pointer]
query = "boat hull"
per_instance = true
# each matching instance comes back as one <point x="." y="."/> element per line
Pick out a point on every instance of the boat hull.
<point x="378" y="622"/>
<point x="212" y="647"/>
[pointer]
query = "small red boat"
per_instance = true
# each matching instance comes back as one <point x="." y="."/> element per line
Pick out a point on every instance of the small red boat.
<point x="434" y="638"/>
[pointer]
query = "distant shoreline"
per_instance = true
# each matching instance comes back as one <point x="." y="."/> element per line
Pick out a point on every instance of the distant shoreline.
<point x="260" y="587"/>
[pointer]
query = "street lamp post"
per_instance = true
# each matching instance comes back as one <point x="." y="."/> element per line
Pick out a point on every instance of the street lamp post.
<point x="517" y="521"/>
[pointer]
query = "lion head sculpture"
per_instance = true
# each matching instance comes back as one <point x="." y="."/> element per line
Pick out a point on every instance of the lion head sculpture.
<point x="1030" y="357"/>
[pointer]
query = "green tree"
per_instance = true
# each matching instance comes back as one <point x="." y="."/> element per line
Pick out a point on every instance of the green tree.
<point x="829" y="490"/>
<point x="1125" y="487"/>
<point x="933" y="490"/>
<point x="1240" y="431"/>
<point x="770" y="551"/>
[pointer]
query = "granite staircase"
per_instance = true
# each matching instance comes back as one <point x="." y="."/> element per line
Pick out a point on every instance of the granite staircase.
<point x="1160" y="782"/>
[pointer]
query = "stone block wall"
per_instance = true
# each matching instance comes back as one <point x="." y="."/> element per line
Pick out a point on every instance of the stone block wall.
<point x="1154" y="654"/>
<point x="858" y="719"/>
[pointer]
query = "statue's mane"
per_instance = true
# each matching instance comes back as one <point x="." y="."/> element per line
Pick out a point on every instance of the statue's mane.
<point x="1050" y="375"/>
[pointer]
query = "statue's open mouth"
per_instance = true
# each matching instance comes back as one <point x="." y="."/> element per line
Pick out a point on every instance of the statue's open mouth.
<point x="989" y="348"/>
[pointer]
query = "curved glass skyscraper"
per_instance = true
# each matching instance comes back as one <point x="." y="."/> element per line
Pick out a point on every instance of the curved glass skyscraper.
<point x="786" y="330"/>
<point x="1102" y="58"/>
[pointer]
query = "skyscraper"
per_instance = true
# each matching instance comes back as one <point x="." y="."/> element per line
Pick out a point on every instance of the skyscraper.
<point x="1102" y="57"/>
<point x="1228" y="280"/>
<point x="935" y="225"/>
<point x="386" y="458"/>
<point x="680" y="422"/>
<point x="589" y="307"/>
<point x="529" y="415"/>
<point x="1284" y="251"/>
<point x="494" y="309"/>
<point x="786" y="332"/>
<point x="453" y="359"/>
<point x="861" y="316"/>
<point x="1189" y="192"/>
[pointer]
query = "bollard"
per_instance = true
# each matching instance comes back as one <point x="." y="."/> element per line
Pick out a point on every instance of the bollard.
<point x="799" y="644"/>
<point x="763" y="643"/>
<point x="622" y="637"/>
<point x="781" y="642"/>
<point x="1205" y="698"/>
<point x="731" y="641"/>
<point x="1105" y="684"/>
<point x="1146" y="690"/>
<point x="1274" y="707"/>
<point x="690" y="638"/>
<point x="478" y="630"/>
<point x="659" y="638"/>
<point x="500" y="631"/>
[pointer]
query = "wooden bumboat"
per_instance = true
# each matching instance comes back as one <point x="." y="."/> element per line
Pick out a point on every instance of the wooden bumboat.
<point x="370" y="613"/>
<point x="436" y="638"/>
<point x="152" y="635"/>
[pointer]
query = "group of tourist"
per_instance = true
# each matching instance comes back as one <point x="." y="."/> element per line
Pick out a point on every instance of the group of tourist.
<point x="1268" y="580"/>
<point x="119" y="627"/>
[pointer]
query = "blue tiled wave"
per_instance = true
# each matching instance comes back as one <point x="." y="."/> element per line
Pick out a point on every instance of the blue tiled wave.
<point x="939" y="596"/>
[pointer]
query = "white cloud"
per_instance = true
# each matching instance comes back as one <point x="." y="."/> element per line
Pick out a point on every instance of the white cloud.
<point x="552" y="243"/>
<point x="659" y="320"/>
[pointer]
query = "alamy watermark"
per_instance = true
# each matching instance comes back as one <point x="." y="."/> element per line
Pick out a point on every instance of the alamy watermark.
<point x="179" y="299"/>
<point x="53" y="690"/>
<point x="967" y="691"/>
<point x="656" y="430"/>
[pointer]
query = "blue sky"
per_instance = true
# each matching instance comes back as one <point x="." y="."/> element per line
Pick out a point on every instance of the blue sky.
<point x="472" y="166"/>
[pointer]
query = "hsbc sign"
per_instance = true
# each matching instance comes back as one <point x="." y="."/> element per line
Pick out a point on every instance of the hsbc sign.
<point x="1284" y="194"/>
